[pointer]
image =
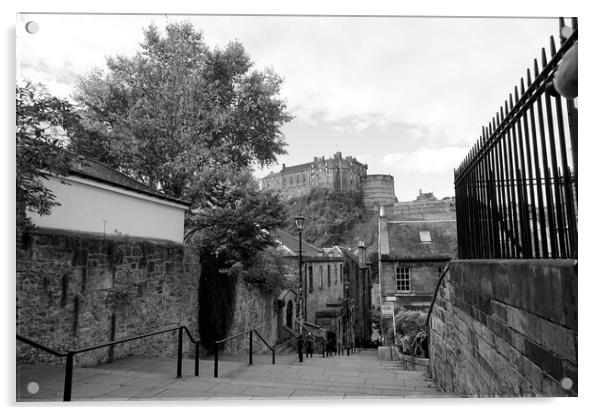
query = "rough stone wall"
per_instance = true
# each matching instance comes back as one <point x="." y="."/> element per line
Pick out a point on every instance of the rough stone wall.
<point x="506" y="328"/>
<point x="422" y="210"/>
<point x="79" y="289"/>
<point x="254" y="308"/>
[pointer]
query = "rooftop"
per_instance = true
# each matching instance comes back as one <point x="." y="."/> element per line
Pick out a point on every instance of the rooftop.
<point x="410" y="239"/>
<point x="97" y="171"/>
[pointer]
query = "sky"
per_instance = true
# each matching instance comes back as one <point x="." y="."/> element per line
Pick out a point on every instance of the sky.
<point x="405" y="95"/>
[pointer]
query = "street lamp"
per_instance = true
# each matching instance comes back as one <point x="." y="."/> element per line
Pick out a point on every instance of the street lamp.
<point x="362" y="262"/>
<point x="299" y="221"/>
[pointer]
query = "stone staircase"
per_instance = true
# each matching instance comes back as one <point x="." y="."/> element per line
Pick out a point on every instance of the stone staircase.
<point x="336" y="377"/>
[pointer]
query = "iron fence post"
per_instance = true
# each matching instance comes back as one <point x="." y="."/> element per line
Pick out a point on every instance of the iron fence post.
<point x="196" y="358"/>
<point x="68" y="377"/>
<point x="179" y="365"/>
<point x="273" y="356"/>
<point x="215" y="352"/>
<point x="251" y="347"/>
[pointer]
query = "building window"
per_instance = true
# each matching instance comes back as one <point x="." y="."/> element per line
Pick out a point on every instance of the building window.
<point x="402" y="279"/>
<point x="335" y="274"/>
<point x="321" y="277"/>
<point x="290" y="180"/>
<point x="329" y="275"/>
<point x="425" y="236"/>
<point x="341" y="273"/>
<point x="284" y="181"/>
<point x="310" y="276"/>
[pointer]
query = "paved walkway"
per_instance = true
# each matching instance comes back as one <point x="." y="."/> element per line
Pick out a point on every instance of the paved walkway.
<point x="360" y="375"/>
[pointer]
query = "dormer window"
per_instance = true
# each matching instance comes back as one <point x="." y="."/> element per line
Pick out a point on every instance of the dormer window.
<point x="425" y="236"/>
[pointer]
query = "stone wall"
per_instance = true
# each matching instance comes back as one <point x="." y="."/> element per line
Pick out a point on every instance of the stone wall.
<point x="80" y="289"/>
<point x="253" y="308"/>
<point x="422" y="210"/>
<point x="506" y="328"/>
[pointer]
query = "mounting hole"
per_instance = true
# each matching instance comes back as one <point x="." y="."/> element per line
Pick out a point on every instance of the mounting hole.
<point x="33" y="387"/>
<point x="566" y="383"/>
<point x="32" y="27"/>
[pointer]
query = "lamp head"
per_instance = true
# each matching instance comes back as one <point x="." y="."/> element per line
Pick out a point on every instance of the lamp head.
<point x="299" y="221"/>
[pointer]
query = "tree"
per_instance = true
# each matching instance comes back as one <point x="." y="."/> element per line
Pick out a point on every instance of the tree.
<point x="42" y="121"/>
<point x="190" y="121"/>
<point x="235" y="216"/>
<point x="177" y="109"/>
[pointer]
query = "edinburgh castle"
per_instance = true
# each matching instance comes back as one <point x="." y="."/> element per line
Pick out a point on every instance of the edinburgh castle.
<point x="336" y="173"/>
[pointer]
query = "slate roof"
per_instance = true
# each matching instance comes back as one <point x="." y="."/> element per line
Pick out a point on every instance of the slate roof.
<point x="405" y="242"/>
<point x="292" y="243"/>
<point x="97" y="171"/>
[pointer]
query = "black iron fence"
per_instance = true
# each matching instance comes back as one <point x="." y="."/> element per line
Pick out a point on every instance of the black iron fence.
<point x="516" y="190"/>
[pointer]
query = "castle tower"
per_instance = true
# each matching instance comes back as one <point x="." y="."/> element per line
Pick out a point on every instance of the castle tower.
<point x="378" y="190"/>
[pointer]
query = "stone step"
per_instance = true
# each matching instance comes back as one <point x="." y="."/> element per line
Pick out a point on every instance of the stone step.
<point x="361" y="375"/>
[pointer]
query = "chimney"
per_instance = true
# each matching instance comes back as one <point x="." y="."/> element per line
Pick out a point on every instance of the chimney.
<point x="383" y="232"/>
<point x="283" y="166"/>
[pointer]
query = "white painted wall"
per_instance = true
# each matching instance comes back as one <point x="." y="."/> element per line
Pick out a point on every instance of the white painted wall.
<point x="90" y="206"/>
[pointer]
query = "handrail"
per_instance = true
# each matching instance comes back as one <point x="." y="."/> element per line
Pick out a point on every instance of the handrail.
<point x="428" y="316"/>
<point x="128" y="339"/>
<point x="39" y="346"/>
<point x="250" y="333"/>
<point x="287" y="328"/>
<point x="71" y="353"/>
<point x="263" y="340"/>
<point x="233" y="337"/>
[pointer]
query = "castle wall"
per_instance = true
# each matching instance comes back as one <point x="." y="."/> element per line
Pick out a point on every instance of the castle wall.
<point x="422" y="210"/>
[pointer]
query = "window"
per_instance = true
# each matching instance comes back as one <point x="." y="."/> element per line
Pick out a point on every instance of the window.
<point x="290" y="180"/>
<point x="341" y="274"/>
<point x="335" y="274"/>
<point x="425" y="236"/>
<point x="310" y="277"/>
<point x="321" y="277"/>
<point x="402" y="279"/>
<point x="329" y="275"/>
<point x="284" y="181"/>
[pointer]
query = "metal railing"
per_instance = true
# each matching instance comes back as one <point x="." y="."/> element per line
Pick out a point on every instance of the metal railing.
<point x="244" y="333"/>
<point x="516" y="190"/>
<point x="71" y="353"/>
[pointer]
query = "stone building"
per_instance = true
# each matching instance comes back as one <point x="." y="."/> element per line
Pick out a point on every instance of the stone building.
<point x="417" y="240"/>
<point x="98" y="199"/>
<point x="335" y="291"/>
<point x="336" y="173"/>
<point x="108" y="263"/>
<point x="413" y="256"/>
<point x="357" y="297"/>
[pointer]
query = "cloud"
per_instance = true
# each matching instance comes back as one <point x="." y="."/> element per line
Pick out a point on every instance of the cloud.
<point x="425" y="160"/>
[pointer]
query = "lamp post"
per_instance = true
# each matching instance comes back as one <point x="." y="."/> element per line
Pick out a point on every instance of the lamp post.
<point x="299" y="220"/>
<point x="362" y="305"/>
